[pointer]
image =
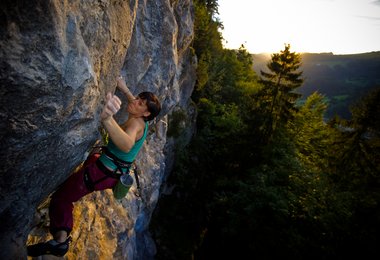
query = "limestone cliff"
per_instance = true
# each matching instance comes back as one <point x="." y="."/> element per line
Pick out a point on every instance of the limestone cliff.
<point x="58" y="58"/>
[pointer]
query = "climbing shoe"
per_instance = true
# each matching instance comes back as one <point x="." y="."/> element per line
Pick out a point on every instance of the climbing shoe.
<point x="50" y="247"/>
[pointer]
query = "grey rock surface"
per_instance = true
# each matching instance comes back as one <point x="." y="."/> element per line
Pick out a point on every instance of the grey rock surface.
<point x="58" y="59"/>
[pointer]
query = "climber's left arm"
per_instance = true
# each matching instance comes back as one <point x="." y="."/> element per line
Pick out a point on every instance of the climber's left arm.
<point x="124" y="88"/>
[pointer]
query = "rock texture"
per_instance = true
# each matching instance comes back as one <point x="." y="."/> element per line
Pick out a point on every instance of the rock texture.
<point x="58" y="59"/>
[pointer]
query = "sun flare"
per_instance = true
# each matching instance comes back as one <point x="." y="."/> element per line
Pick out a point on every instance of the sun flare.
<point x="338" y="26"/>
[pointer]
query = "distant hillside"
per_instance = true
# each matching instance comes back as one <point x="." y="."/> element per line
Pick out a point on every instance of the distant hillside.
<point x="343" y="79"/>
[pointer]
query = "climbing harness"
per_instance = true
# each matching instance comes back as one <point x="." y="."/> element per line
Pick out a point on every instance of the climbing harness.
<point x="116" y="174"/>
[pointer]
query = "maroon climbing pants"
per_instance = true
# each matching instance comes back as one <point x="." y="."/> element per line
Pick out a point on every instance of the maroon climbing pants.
<point x="61" y="204"/>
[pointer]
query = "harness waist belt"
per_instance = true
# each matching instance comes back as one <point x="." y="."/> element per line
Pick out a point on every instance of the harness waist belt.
<point x="115" y="159"/>
<point x="107" y="171"/>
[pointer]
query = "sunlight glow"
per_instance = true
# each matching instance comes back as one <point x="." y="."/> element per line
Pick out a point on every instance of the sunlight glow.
<point x="338" y="26"/>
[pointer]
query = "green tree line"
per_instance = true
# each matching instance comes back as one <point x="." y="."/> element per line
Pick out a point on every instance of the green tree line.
<point x="264" y="177"/>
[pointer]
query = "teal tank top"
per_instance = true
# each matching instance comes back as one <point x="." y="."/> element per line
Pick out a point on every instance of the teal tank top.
<point x="128" y="157"/>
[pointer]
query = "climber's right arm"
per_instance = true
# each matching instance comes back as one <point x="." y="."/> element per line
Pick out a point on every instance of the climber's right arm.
<point x="121" y="138"/>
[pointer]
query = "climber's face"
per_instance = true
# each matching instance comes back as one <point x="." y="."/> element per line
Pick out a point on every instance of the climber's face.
<point x="138" y="108"/>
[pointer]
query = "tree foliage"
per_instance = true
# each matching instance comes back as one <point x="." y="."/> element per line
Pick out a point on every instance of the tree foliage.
<point x="280" y="84"/>
<point x="266" y="177"/>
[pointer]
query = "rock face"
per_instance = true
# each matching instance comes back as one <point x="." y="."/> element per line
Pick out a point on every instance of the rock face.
<point x="58" y="59"/>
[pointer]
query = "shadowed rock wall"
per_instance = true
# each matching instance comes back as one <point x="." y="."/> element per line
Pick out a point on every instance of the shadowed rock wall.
<point x="57" y="61"/>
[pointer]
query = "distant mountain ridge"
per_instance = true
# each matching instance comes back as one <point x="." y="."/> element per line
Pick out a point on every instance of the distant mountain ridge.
<point x="342" y="78"/>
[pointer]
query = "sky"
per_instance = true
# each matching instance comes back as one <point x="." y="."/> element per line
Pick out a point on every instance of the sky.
<point x="338" y="26"/>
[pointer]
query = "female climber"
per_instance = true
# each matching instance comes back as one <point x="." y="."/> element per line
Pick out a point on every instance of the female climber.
<point x="100" y="173"/>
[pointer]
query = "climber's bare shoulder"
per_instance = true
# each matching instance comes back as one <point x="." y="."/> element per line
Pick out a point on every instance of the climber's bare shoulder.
<point x="134" y="127"/>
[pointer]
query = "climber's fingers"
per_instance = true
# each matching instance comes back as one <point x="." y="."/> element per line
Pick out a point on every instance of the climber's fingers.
<point x="113" y="103"/>
<point x="112" y="106"/>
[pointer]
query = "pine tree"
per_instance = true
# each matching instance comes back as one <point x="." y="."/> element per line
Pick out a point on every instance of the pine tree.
<point x="278" y="94"/>
<point x="311" y="135"/>
<point x="360" y="142"/>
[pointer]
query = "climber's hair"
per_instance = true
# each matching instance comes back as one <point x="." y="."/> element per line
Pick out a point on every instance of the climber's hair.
<point x="154" y="106"/>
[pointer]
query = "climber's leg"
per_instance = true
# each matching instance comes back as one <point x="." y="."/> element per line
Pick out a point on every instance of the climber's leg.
<point x="61" y="207"/>
<point x="61" y="204"/>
